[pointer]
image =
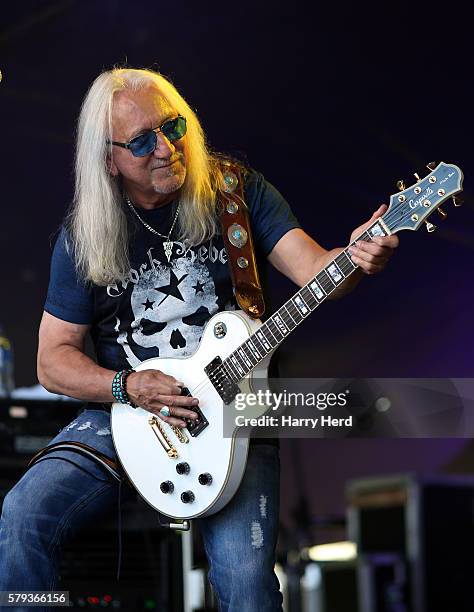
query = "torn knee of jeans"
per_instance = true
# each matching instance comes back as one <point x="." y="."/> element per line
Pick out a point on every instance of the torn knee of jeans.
<point x="256" y="532"/>
<point x="71" y="426"/>
<point x="102" y="431"/>
<point x="86" y="425"/>
<point x="105" y="431"/>
<point x="263" y="506"/>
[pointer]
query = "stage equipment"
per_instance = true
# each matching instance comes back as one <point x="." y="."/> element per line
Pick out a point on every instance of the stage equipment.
<point x="151" y="576"/>
<point x="27" y="424"/>
<point x="329" y="586"/>
<point x="414" y="538"/>
<point x="151" y="571"/>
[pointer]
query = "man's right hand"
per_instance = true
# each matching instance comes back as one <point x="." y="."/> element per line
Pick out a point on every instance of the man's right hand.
<point x="152" y="389"/>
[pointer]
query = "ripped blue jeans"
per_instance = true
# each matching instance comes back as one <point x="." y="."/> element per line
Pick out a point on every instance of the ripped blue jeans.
<point x="65" y="491"/>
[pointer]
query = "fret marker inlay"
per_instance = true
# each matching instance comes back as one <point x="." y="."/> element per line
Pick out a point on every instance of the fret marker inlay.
<point x="376" y="230"/>
<point x="301" y="305"/>
<point x="335" y="273"/>
<point x="281" y="325"/>
<point x="317" y="290"/>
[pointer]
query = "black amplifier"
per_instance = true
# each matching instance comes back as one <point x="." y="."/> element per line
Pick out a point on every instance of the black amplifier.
<point x="27" y="425"/>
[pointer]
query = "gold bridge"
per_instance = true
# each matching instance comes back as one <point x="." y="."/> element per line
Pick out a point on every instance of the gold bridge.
<point x="159" y="432"/>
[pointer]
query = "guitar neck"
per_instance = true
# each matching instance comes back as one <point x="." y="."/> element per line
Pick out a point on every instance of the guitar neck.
<point x="305" y="301"/>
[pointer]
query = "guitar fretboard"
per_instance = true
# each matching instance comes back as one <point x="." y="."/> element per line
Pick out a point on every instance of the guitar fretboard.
<point x="277" y="327"/>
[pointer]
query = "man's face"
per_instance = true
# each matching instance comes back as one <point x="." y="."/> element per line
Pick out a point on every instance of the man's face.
<point x="154" y="179"/>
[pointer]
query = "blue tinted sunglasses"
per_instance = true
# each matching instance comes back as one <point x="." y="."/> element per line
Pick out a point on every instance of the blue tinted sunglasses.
<point x="145" y="143"/>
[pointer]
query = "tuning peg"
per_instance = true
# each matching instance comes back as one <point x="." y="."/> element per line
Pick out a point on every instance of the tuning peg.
<point x="457" y="201"/>
<point x="442" y="214"/>
<point x="401" y="185"/>
<point x="430" y="227"/>
<point x="431" y="166"/>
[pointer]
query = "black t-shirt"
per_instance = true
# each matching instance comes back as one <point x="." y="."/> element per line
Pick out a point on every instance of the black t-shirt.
<point x="161" y="307"/>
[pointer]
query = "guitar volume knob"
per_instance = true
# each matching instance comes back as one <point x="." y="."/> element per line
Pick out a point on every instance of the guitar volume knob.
<point x="167" y="486"/>
<point x="205" y="479"/>
<point x="187" y="497"/>
<point x="183" y="468"/>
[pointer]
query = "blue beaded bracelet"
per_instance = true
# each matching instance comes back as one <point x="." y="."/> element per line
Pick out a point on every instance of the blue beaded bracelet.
<point x="119" y="388"/>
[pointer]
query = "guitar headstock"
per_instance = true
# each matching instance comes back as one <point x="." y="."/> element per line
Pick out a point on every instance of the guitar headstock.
<point x="411" y="206"/>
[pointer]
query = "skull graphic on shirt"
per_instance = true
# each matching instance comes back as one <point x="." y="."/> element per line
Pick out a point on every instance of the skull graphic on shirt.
<point x="171" y="305"/>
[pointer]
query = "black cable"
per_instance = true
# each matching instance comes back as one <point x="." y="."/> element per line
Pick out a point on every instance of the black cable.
<point x="119" y="522"/>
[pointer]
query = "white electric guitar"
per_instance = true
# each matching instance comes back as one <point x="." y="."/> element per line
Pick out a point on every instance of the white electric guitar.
<point x="195" y="471"/>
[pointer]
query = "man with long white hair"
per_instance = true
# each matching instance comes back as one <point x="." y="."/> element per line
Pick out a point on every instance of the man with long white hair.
<point x="140" y="264"/>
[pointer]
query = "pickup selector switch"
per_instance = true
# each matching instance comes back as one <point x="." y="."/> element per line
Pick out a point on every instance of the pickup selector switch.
<point x="187" y="497"/>
<point x="205" y="479"/>
<point x="167" y="486"/>
<point x="183" y="468"/>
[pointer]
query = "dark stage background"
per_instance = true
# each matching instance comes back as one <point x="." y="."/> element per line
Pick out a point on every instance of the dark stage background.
<point x="333" y="104"/>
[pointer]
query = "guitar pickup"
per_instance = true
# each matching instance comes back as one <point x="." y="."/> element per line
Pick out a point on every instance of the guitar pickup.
<point x="221" y="382"/>
<point x="196" y="426"/>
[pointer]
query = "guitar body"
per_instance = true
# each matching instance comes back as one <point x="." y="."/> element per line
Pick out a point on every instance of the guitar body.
<point x="147" y="463"/>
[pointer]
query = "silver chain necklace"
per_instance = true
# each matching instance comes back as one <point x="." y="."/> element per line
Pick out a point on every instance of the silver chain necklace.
<point x="167" y="244"/>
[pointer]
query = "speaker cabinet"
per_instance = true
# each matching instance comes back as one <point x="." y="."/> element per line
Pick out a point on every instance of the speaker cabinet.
<point x="415" y="541"/>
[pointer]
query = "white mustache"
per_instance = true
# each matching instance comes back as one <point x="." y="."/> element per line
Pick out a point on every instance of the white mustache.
<point x="169" y="162"/>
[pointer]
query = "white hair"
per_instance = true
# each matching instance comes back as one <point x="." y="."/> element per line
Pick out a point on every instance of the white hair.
<point x="97" y="221"/>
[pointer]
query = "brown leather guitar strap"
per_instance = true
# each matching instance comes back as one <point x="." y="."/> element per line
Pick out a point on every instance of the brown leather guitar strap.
<point x="237" y="234"/>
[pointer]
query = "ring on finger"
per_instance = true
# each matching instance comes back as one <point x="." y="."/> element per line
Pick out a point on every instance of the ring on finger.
<point x="165" y="411"/>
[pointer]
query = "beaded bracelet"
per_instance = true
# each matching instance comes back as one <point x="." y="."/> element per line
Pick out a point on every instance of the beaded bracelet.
<point x="123" y="384"/>
<point x="119" y="388"/>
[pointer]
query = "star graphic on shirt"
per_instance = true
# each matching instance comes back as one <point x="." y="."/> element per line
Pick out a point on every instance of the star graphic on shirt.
<point x="172" y="289"/>
<point x="199" y="287"/>
<point x="148" y="304"/>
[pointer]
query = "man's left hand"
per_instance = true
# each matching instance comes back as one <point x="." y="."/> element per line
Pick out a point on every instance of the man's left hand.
<point x="372" y="257"/>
